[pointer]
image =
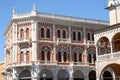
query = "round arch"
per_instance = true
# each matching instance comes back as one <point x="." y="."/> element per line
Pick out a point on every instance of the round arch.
<point x="92" y="75"/>
<point x="78" y="75"/>
<point x="116" y="42"/>
<point x="25" y="75"/>
<point x="103" y="45"/>
<point x="113" y="71"/>
<point x="63" y="75"/>
<point x="46" y="74"/>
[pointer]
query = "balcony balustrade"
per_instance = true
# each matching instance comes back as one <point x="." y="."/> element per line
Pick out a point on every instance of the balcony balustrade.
<point x="109" y="56"/>
<point x="80" y="63"/>
<point x="61" y="40"/>
<point x="20" y="40"/>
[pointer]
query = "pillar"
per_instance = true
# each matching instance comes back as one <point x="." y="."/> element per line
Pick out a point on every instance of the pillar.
<point x="34" y="39"/>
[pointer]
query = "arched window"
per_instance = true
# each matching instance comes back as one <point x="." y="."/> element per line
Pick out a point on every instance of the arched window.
<point x="80" y="57"/>
<point x="58" y="33"/>
<point x="59" y="56"/>
<point x="22" y="33"/>
<point x="27" y="56"/>
<point x="92" y="37"/>
<point x="74" y="35"/>
<point x="64" y="34"/>
<point x="89" y="58"/>
<point x="21" y="57"/>
<point x="79" y="36"/>
<point x="88" y="36"/>
<point x="48" y="33"/>
<point x="48" y="55"/>
<point x="42" y="55"/>
<point x="27" y="32"/>
<point x="42" y="32"/>
<point x="65" y="57"/>
<point x="75" y="57"/>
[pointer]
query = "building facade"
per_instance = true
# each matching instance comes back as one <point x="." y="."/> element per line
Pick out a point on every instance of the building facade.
<point x="1" y="68"/>
<point x="107" y="42"/>
<point x="43" y="46"/>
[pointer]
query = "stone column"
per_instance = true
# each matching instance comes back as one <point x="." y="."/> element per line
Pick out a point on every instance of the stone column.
<point x="85" y="44"/>
<point x="111" y="46"/>
<point x="34" y="40"/>
<point x="34" y="68"/>
<point x="54" y="39"/>
<point x="96" y="53"/>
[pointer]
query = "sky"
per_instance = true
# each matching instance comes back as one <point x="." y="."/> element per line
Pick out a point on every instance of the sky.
<point x="93" y="9"/>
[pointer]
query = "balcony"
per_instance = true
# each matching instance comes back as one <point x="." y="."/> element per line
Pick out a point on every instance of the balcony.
<point x="22" y="40"/>
<point x="43" y="62"/>
<point x="61" y="40"/>
<point x="109" y="56"/>
<point x="80" y="63"/>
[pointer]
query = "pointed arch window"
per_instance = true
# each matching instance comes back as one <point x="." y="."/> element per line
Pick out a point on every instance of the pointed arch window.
<point x="79" y="36"/>
<point x="74" y="35"/>
<point x="48" y="55"/>
<point x="21" y="57"/>
<point x="48" y="33"/>
<point x="27" y="32"/>
<point x="92" y="37"/>
<point x="27" y="56"/>
<point x="42" y="32"/>
<point x="80" y="57"/>
<point x="22" y="33"/>
<point x="58" y="33"/>
<point x="64" y="34"/>
<point x="75" y="57"/>
<point x="59" y="56"/>
<point x="42" y="55"/>
<point x="88" y="36"/>
<point x="65" y="57"/>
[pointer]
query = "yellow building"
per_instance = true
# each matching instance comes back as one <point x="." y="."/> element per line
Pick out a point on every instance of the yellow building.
<point x="1" y="67"/>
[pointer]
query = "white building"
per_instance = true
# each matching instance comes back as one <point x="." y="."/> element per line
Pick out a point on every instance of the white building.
<point x="107" y="41"/>
<point x="43" y="46"/>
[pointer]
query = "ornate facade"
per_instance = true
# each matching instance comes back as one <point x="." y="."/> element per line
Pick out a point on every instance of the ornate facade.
<point x="43" y="46"/>
<point x="107" y="42"/>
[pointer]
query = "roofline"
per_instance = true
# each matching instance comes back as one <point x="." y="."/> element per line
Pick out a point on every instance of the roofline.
<point x="55" y="16"/>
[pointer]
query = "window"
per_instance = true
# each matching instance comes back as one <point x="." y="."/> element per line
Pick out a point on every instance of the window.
<point x="48" y="55"/>
<point x="58" y="33"/>
<point x="89" y="58"/>
<point x="88" y="36"/>
<point x="92" y="37"/>
<point x="27" y="32"/>
<point x="75" y="57"/>
<point x="65" y="57"/>
<point x="59" y="56"/>
<point x="27" y="56"/>
<point x="21" y="57"/>
<point x="48" y="33"/>
<point x="22" y="33"/>
<point x="80" y="57"/>
<point x="42" y="55"/>
<point x="79" y="36"/>
<point x="42" y="32"/>
<point x="64" y="34"/>
<point x="74" y="35"/>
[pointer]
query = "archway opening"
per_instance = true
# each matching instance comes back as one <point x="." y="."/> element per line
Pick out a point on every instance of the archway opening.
<point x="116" y="42"/>
<point x="111" y="72"/>
<point x="25" y="75"/>
<point x="92" y="75"/>
<point x="107" y="76"/>
<point x="103" y="45"/>
<point x="78" y="75"/>
<point x="46" y="75"/>
<point x="63" y="75"/>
